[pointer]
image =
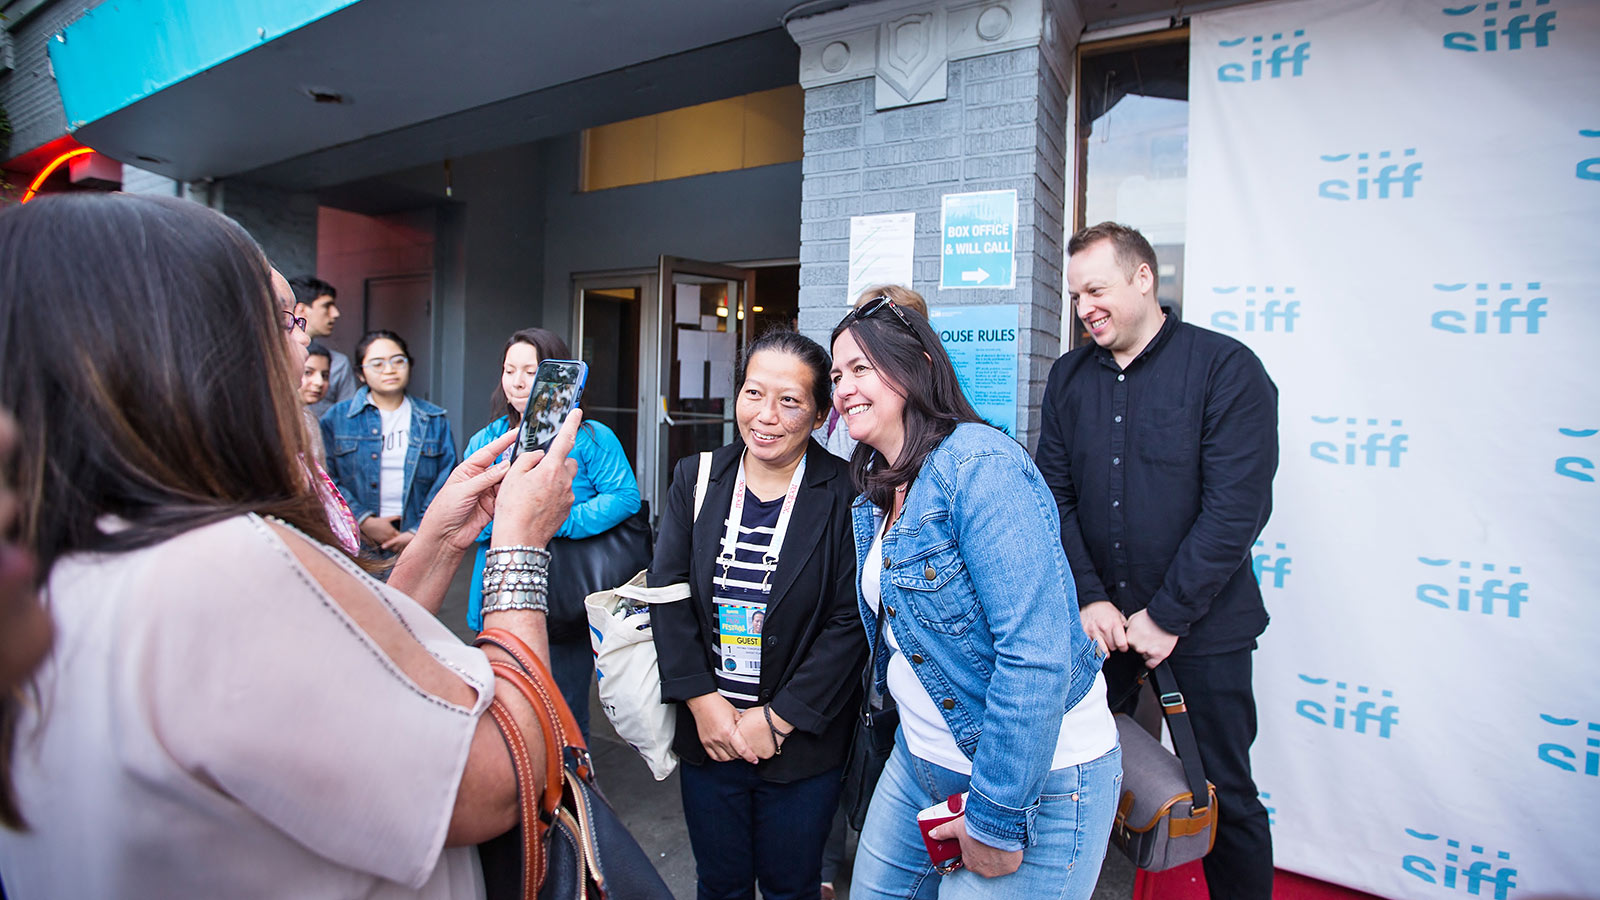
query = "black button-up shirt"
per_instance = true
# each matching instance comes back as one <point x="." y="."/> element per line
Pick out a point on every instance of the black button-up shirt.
<point x="1163" y="475"/>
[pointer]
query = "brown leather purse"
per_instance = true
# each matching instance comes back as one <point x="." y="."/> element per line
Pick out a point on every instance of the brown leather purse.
<point x="570" y="842"/>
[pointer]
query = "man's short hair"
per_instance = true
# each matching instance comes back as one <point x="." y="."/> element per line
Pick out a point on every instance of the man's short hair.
<point x="307" y="289"/>
<point x="317" y="349"/>
<point x="1128" y="244"/>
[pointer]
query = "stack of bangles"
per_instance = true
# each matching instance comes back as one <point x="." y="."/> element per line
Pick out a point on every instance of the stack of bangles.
<point x="516" y="577"/>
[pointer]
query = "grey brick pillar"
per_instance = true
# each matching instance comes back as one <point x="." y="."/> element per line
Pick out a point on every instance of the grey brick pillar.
<point x="983" y="108"/>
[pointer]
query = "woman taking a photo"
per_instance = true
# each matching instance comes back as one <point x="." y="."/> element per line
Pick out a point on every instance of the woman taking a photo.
<point x="388" y="452"/>
<point x="234" y="707"/>
<point x="971" y="611"/>
<point x="764" y="657"/>
<point x="604" y="494"/>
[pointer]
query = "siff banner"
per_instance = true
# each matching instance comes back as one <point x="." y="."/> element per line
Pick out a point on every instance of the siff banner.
<point x="1396" y="205"/>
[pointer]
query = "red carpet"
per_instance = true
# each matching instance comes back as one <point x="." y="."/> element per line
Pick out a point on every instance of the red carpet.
<point x="1189" y="883"/>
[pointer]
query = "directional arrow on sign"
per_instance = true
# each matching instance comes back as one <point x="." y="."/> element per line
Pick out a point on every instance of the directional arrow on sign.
<point x="977" y="277"/>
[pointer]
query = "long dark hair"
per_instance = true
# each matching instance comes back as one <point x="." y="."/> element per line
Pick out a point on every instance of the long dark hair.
<point x="913" y="364"/>
<point x="547" y="344"/>
<point x="797" y="345"/>
<point x="146" y="365"/>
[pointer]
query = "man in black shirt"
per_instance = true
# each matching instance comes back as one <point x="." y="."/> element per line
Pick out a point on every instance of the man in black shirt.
<point x="1160" y="443"/>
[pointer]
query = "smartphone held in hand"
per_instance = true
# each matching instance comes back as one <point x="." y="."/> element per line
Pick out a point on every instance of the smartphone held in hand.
<point x="945" y="854"/>
<point x="557" y="387"/>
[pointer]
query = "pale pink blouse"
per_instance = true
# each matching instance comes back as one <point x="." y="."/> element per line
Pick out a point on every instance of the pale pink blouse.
<point x="212" y="724"/>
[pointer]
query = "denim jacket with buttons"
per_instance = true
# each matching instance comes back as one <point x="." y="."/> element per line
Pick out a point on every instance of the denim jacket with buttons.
<point x="352" y="435"/>
<point x="982" y="603"/>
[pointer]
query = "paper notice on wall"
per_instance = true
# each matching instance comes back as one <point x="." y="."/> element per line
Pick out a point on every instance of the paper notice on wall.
<point x="720" y="346"/>
<point x="691" y="380"/>
<point x="708" y="323"/>
<point x="691" y="346"/>
<point x="687" y="304"/>
<point x="721" y="379"/>
<point x="881" y="251"/>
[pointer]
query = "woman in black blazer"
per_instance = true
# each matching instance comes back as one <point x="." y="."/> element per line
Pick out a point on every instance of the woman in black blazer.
<point x="764" y="658"/>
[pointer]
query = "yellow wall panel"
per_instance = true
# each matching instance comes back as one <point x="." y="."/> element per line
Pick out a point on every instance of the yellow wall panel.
<point x="700" y="139"/>
<point x="620" y="153"/>
<point x="774" y="126"/>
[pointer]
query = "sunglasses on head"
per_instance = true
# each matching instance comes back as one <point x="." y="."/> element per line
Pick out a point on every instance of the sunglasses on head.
<point x="872" y="307"/>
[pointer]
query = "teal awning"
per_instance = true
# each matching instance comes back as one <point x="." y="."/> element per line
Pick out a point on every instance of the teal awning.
<point x="120" y="53"/>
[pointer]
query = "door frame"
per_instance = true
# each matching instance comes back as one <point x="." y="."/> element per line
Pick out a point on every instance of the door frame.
<point x="644" y="281"/>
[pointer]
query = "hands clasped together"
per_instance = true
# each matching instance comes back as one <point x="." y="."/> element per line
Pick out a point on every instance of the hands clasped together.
<point x="729" y="733"/>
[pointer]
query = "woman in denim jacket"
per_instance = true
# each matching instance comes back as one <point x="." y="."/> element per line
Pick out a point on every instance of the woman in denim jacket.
<point x="999" y="688"/>
<point x="388" y="452"/>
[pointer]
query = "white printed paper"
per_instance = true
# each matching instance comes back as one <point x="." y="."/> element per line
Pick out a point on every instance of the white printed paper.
<point x="687" y="306"/>
<point x="881" y="251"/>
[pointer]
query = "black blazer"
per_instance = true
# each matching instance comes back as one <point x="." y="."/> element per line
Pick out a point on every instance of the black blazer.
<point x="813" y="647"/>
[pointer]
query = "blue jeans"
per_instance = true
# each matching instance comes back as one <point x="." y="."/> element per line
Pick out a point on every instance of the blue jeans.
<point x="1072" y="826"/>
<point x="744" y="829"/>
<point x="572" y="666"/>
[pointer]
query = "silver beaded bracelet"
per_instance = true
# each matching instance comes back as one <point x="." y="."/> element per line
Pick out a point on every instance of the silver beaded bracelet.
<point x="505" y="601"/>
<point x="518" y="554"/>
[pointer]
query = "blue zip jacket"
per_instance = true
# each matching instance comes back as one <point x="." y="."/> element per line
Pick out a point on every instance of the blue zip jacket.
<point x="976" y="587"/>
<point x="604" y="493"/>
<point x="352" y="435"/>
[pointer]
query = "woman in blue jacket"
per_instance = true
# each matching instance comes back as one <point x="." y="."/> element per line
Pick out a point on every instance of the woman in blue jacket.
<point x="388" y="452"/>
<point x="604" y="493"/>
<point x="999" y="688"/>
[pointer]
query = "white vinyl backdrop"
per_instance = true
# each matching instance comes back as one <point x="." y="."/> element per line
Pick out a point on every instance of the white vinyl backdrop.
<point x="1396" y="204"/>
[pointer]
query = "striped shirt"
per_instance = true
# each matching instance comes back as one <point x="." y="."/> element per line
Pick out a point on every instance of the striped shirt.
<point x="741" y="600"/>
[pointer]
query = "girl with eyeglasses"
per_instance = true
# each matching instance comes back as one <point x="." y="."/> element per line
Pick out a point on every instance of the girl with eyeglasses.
<point x="388" y="451"/>
<point x="971" y="611"/>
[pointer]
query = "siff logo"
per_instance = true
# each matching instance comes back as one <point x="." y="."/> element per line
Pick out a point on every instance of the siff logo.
<point x="1513" y="593"/>
<point x="1538" y="24"/>
<point x="1589" y="168"/>
<point x="1453" y="875"/>
<point x="1505" y="316"/>
<point x="1371" y="447"/>
<point x="1275" y="314"/>
<point x="1267" y="563"/>
<point x="1565" y="758"/>
<point x="1365" y="712"/>
<point x="1378" y="186"/>
<point x="1577" y="467"/>
<point x="1270" y="66"/>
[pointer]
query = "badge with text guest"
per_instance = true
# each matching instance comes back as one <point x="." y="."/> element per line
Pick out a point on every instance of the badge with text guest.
<point x="764" y="658"/>
<point x="1160" y="442"/>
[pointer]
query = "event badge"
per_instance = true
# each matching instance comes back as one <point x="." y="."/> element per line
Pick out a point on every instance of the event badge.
<point x="740" y="623"/>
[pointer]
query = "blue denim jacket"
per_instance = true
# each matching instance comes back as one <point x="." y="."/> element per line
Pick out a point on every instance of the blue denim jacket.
<point x="976" y="586"/>
<point x="352" y="435"/>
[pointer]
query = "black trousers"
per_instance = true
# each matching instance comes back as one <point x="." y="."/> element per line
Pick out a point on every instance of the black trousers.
<point x="1222" y="710"/>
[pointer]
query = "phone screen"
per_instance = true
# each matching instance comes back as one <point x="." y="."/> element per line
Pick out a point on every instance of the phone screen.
<point x="557" y="386"/>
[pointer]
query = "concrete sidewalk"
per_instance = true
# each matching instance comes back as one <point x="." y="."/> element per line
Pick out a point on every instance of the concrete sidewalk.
<point x="653" y="811"/>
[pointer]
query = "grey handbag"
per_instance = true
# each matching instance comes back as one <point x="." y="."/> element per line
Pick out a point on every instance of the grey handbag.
<point x="1158" y="825"/>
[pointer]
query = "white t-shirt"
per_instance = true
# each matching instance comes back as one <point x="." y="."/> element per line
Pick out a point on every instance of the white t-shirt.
<point x="392" y="478"/>
<point x="1087" y="732"/>
<point x="215" y="725"/>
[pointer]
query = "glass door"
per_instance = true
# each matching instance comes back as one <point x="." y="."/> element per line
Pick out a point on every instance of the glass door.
<point x="705" y="323"/>
<point x="612" y="313"/>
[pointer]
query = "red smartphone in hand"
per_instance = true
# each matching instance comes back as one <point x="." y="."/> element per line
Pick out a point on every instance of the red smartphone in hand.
<point x="945" y="854"/>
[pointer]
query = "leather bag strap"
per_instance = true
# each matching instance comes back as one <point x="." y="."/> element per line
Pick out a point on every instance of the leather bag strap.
<point x="1177" y="713"/>
<point x="533" y="852"/>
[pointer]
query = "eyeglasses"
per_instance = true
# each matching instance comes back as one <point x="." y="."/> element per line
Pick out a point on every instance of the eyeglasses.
<point x="292" y="321"/>
<point x="871" y="308"/>
<point x="398" y="363"/>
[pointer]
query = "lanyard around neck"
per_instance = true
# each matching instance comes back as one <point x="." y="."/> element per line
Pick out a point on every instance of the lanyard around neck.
<point x="730" y="535"/>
